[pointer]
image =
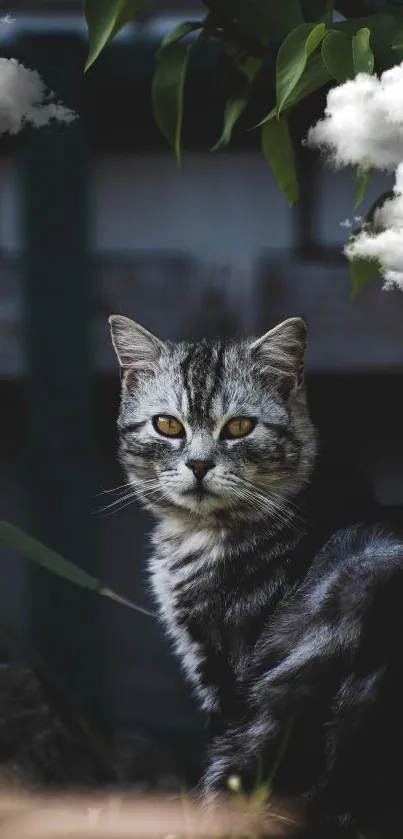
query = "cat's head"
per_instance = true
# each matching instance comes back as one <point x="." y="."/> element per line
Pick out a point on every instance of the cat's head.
<point x="214" y="428"/>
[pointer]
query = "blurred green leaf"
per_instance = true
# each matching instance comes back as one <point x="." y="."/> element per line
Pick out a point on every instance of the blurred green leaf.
<point x="363" y="57"/>
<point x="292" y="58"/>
<point x="317" y="9"/>
<point x="167" y="92"/>
<point x="264" y="790"/>
<point x="178" y="33"/>
<point x="250" y="66"/>
<point x="259" y="18"/>
<point x="398" y="44"/>
<point x="31" y="548"/>
<point x="362" y="179"/>
<point x="104" y="20"/>
<point x="233" y="110"/>
<point x="369" y="7"/>
<point x="278" y="151"/>
<point x="363" y="271"/>
<point x="337" y="53"/>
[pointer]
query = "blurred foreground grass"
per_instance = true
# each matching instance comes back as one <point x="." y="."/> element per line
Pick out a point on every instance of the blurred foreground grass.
<point x="36" y="816"/>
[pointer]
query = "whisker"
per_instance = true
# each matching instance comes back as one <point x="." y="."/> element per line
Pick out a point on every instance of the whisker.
<point x="272" y="495"/>
<point x="112" y="489"/>
<point x="124" y="486"/>
<point x="136" y="492"/>
<point x="130" y="495"/>
<point x="272" y="503"/>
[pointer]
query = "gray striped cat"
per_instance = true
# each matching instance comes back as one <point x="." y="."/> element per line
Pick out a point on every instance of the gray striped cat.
<point x="271" y="607"/>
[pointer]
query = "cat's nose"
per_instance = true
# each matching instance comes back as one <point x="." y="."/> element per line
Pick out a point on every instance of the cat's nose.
<point x="200" y="467"/>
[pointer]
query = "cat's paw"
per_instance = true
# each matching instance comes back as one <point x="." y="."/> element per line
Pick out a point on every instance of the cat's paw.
<point x="230" y="767"/>
<point x="238" y="757"/>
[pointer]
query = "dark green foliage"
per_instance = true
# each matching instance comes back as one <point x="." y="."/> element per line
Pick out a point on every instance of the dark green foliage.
<point x="300" y="39"/>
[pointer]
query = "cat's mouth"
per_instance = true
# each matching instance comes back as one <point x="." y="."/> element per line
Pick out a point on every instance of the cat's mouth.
<point x="200" y="491"/>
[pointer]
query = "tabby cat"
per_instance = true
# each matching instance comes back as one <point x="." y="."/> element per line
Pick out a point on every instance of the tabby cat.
<point x="287" y="615"/>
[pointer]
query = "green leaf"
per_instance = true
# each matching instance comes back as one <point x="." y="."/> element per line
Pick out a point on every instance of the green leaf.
<point x="337" y="53"/>
<point x="383" y="29"/>
<point x="259" y="18"/>
<point x="167" y="93"/>
<point x="278" y="151"/>
<point x="385" y="196"/>
<point x="398" y="44"/>
<point x="233" y="110"/>
<point x="362" y="179"/>
<point x="268" y="117"/>
<point x="363" y="57"/>
<point x="362" y="271"/>
<point x="31" y="548"/>
<point x="250" y="66"/>
<point x="367" y="7"/>
<point x="292" y="58"/>
<point x="281" y="752"/>
<point x="314" y="77"/>
<point x="104" y="20"/>
<point x="178" y="32"/>
<point x="317" y="9"/>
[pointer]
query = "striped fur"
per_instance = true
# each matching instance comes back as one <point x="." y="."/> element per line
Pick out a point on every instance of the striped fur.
<point x="270" y="605"/>
<point x="197" y="540"/>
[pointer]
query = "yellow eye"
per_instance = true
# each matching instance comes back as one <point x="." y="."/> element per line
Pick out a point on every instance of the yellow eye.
<point x="168" y="426"/>
<point x="238" y="427"/>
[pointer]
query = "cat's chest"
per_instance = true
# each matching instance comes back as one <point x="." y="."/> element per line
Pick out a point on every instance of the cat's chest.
<point x="188" y="588"/>
<point x="213" y="605"/>
<point x="188" y="578"/>
<point x="200" y="588"/>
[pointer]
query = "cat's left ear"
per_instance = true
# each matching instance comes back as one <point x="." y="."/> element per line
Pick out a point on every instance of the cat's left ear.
<point x="280" y="354"/>
<point x="136" y="348"/>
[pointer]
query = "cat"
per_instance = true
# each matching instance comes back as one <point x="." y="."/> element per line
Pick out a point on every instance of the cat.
<point x="284" y="605"/>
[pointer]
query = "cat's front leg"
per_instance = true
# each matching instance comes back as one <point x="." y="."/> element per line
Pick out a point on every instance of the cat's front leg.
<point x="216" y="724"/>
<point x="243" y="752"/>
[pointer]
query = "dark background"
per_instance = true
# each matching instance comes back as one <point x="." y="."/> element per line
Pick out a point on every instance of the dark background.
<point x="96" y="219"/>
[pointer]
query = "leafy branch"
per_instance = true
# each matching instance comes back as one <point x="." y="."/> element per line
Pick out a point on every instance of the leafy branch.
<point x="296" y="47"/>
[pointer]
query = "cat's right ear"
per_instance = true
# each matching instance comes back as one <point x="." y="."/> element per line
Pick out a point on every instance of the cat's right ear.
<point x="136" y="348"/>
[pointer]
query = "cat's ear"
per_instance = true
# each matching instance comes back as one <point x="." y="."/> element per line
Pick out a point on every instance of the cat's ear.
<point x="136" y="348"/>
<point x="280" y="354"/>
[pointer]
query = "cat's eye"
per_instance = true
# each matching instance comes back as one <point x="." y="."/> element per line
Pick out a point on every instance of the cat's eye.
<point x="238" y="427"/>
<point x="168" y="426"/>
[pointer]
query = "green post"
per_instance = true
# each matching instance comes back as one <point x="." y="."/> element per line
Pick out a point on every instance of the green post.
<point x="57" y="297"/>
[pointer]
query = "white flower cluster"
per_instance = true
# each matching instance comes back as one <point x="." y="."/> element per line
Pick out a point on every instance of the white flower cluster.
<point x="24" y="99"/>
<point x="363" y="125"/>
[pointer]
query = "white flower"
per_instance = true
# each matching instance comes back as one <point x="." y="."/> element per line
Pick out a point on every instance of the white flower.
<point x="363" y="125"/>
<point x="24" y="98"/>
<point x="363" y="121"/>
<point x="384" y="241"/>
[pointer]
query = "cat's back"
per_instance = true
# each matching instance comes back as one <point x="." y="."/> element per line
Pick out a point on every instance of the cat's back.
<point x="356" y="567"/>
<point x="349" y="603"/>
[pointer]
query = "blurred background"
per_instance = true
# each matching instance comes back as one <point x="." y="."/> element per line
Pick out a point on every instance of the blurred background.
<point x="97" y="219"/>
